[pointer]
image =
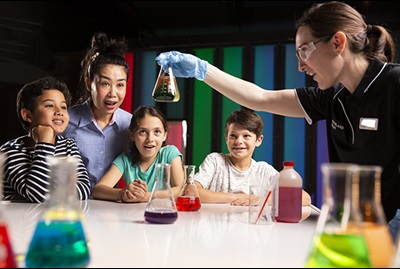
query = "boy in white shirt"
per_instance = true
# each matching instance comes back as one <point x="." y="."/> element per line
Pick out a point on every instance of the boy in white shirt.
<point x="224" y="178"/>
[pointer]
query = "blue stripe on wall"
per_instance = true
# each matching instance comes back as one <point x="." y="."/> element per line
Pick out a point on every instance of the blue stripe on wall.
<point x="149" y="70"/>
<point x="294" y="128"/>
<point x="264" y="77"/>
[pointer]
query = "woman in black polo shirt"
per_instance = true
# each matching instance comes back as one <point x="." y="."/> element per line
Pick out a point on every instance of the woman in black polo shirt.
<point x="358" y="91"/>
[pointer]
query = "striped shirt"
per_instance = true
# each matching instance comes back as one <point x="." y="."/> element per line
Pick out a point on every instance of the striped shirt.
<point x="26" y="172"/>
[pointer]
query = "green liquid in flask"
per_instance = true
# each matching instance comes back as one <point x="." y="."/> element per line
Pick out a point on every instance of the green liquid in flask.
<point x="59" y="243"/>
<point x="340" y="251"/>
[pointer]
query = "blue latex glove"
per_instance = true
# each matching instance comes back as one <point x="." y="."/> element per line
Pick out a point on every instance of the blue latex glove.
<point x="183" y="65"/>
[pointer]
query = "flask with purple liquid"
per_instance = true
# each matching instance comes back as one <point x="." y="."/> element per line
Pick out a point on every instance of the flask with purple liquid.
<point x="161" y="208"/>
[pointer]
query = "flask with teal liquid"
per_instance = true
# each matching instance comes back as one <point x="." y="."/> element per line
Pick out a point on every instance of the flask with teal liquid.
<point x="59" y="239"/>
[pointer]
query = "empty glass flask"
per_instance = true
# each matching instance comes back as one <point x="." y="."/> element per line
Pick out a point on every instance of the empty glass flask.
<point x="161" y="208"/>
<point x="59" y="239"/>
<point x="188" y="197"/>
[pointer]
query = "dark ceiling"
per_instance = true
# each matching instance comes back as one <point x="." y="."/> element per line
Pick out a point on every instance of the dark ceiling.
<point x="35" y="32"/>
<point x="160" y="23"/>
<point x="156" y="23"/>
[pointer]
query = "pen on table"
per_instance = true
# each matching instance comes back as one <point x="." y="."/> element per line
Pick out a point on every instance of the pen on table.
<point x="316" y="209"/>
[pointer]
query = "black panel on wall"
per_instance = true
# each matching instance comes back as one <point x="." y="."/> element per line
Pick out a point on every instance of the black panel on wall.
<point x="279" y="83"/>
<point x="11" y="127"/>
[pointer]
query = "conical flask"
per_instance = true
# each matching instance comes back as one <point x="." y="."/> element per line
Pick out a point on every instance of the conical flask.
<point x="188" y="197"/>
<point x="7" y="258"/>
<point x="59" y="239"/>
<point x="161" y="208"/>
<point x="166" y="87"/>
<point x="333" y="245"/>
<point x="366" y="198"/>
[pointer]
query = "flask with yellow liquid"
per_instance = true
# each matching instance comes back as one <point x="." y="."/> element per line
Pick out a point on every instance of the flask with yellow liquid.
<point x="367" y="193"/>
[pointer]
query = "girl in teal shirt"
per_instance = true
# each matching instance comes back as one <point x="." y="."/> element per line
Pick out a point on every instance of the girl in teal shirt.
<point x="148" y="133"/>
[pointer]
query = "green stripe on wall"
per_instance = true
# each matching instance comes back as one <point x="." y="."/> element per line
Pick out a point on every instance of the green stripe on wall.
<point x="232" y="64"/>
<point x="202" y="115"/>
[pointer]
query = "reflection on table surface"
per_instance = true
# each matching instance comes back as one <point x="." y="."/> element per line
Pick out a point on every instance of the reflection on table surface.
<point x="218" y="235"/>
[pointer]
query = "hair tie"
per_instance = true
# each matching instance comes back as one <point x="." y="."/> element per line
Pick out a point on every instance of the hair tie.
<point x="92" y="58"/>
<point x="369" y="29"/>
<point x="97" y="54"/>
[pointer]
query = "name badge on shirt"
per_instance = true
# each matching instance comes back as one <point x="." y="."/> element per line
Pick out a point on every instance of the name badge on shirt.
<point x="368" y="124"/>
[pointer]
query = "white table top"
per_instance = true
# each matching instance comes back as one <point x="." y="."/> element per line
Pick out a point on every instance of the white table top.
<point x="218" y="235"/>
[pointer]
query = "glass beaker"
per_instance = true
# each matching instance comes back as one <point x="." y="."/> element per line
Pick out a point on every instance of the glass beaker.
<point x="366" y="197"/>
<point x="161" y="208"/>
<point x="166" y="87"/>
<point x="333" y="245"/>
<point x="261" y="193"/>
<point x="59" y="239"/>
<point x="188" y="197"/>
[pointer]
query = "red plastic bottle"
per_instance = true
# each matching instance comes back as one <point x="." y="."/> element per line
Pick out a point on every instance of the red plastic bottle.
<point x="289" y="194"/>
